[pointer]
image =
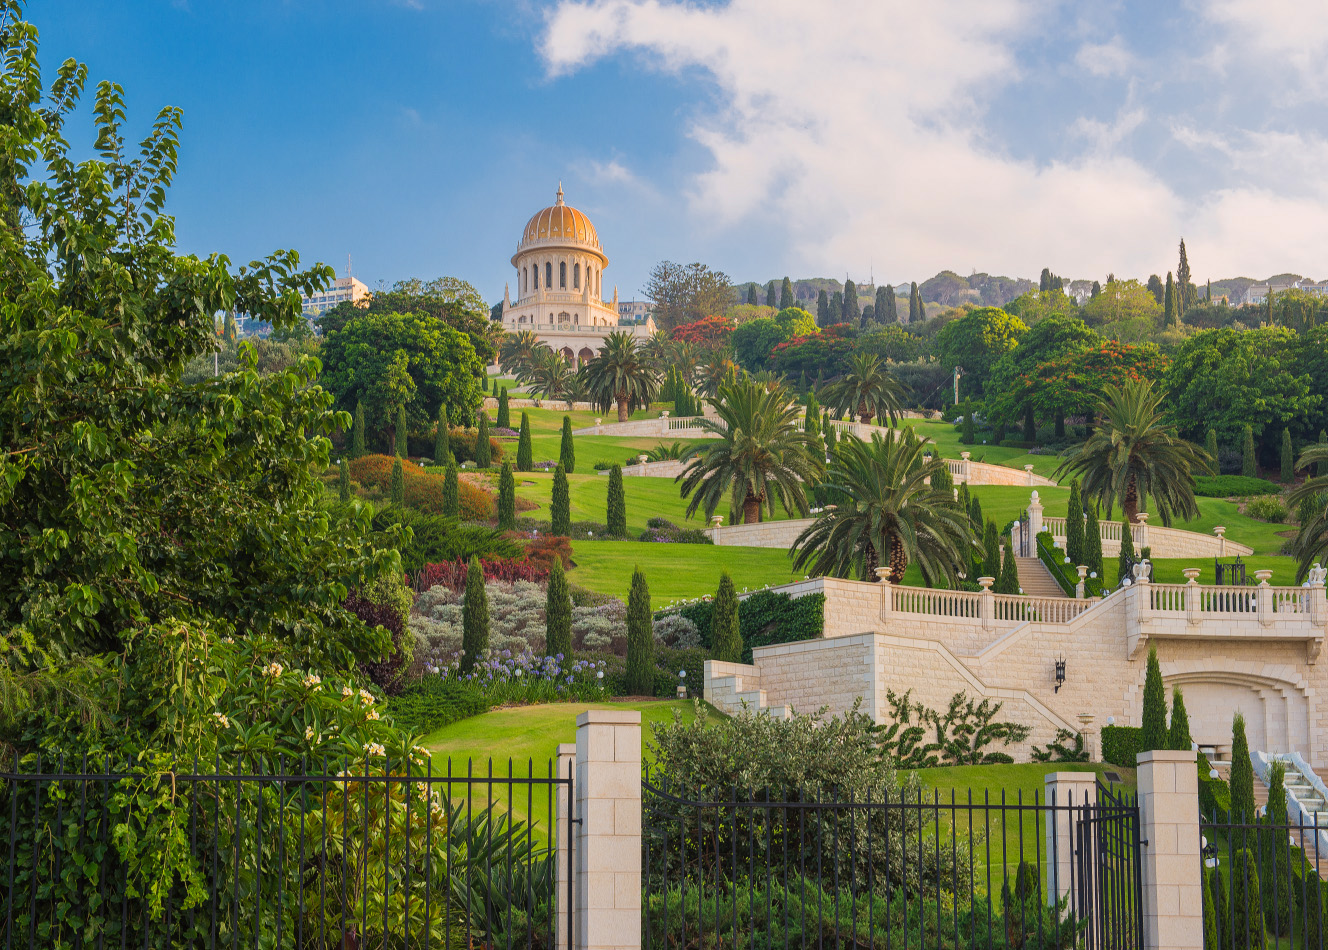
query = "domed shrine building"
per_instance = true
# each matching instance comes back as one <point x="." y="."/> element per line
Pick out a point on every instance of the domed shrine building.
<point x="559" y="282"/>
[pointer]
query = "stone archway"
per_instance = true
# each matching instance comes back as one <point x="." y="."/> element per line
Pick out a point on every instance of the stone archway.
<point x="1277" y="711"/>
<point x="568" y="355"/>
<point x="586" y="354"/>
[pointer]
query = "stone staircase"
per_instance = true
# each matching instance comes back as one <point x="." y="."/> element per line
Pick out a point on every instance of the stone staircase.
<point x="1313" y="807"/>
<point x="1035" y="579"/>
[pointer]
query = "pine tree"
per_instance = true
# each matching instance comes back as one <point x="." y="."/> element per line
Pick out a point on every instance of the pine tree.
<point x="1155" y="707"/>
<point x="560" y="507"/>
<point x="770" y="299"/>
<point x="1183" y="286"/>
<point x="1246" y="909"/>
<point x="991" y="547"/>
<point x="969" y="435"/>
<point x="525" y="459"/>
<point x="617" y="503"/>
<point x="916" y="311"/>
<point x="558" y="614"/>
<point x="822" y="309"/>
<point x="483" y="450"/>
<point x="1178" y="733"/>
<point x="357" y="432"/>
<point x="1241" y="777"/>
<point x="1093" y="544"/>
<point x="451" y="490"/>
<point x="474" y="617"/>
<point x="504" y="420"/>
<point x="752" y="298"/>
<point x="1126" y="552"/>
<point x="1210" y="446"/>
<point x="397" y="489"/>
<point x="1249" y="466"/>
<point x="1277" y="897"/>
<point x="1008" y="582"/>
<point x="786" y="298"/>
<point x="506" y="499"/>
<point x="1288" y="458"/>
<point x="442" y="440"/>
<point x="1074" y="526"/>
<point x="566" y="450"/>
<point x="852" y="313"/>
<point x="1169" y="304"/>
<point x="343" y="476"/>
<point x="640" y="639"/>
<point x="725" y="633"/>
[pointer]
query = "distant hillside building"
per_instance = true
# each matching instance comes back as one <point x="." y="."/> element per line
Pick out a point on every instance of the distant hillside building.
<point x="635" y="311"/>
<point x="343" y="290"/>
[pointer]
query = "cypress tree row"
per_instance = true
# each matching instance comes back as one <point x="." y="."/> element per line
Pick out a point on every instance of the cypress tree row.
<point x="343" y="476"/>
<point x="504" y="420"/>
<point x="1210" y="446"/>
<point x="617" y="503"/>
<point x="1008" y="582"/>
<point x="725" y="633"/>
<point x="397" y="487"/>
<point x="991" y="547"/>
<point x="474" y="617"/>
<point x="483" y="450"/>
<point x="1248" y="464"/>
<point x="786" y="298"/>
<point x="558" y="614"/>
<point x="357" y="432"/>
<point x="1074" y="526"/>
<point x="1093" y="544"/>
<point x="401" y="450"/>
<point x="560" y="506"/>
<point x="1178" y="733"/>
<point x="752" y="297"/>
<point x="1155" y="707"/>
<point x="640" y="639"/>
<point x="1241" y="777"/>
<point x="566" y="450"/>
<point x="506" y="499"/>
<point x="451" y="492"/>
<point x="442" y="439"/>
<point x="1288" y="457"/>
<point x="525" y="460"/>
<point x="1126" y="553"/>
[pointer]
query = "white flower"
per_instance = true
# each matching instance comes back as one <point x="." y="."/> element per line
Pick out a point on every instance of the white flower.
<point x="273" y="670"/>
<point x="227" y="639"/>
<point x="599" y="675"/>
<point x="312" y="679"/>
<point x="518" y="671"/>
<point x="221" y="720"/>
<point x="373" y="748"/>
<point x="347" y="692"/>
<point x="366" y="697"/>
<point x="309" y="733"/>
<point x="373" y="715"/>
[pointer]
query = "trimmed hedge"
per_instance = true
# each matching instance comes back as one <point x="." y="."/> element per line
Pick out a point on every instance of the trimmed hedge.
<point x="1235" y="486"/>
<point x="1121" y="745"/>
<point x="434" y="703"/>
<point x="765" y="618"/>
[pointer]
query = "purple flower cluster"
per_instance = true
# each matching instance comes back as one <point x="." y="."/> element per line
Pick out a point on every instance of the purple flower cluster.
<point x="502" y="432"/>
<point x="548" y="465"/>
<point x="523" y="677"/>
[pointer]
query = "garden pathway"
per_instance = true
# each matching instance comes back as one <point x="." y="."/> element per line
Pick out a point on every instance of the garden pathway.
<point x="1035" y="579"/>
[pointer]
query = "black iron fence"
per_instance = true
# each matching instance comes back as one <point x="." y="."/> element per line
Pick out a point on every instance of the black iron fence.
<point x="1263" y="884"/>
<point x="907" y="869"/>
<point x="370" y="854"/>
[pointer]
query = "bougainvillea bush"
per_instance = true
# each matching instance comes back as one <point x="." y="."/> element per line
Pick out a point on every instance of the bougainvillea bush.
<point x="424" y="490"/>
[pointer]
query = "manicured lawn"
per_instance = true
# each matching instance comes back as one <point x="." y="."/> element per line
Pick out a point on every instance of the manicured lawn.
<point x="946" y="437"/>
<point x="1169" y="570"/>
<point x="646" y="498"/>
<point x="675" y="571"/>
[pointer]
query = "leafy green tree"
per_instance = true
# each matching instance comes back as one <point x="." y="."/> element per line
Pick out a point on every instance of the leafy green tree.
<point x="442" y="439"/>
<point x="786" y="298"/>
<point x="1008" y="581"/>
<point x="1155" y="707"/>
<point x="474" y="617"/>
<point x="558" y="613"/>
<point x="483" y="450"/>
<point x="754" y="341"/>
<point x="525" y="458"/>
<point x="977" y="341"/>
<point x="343" y="479"/>
<point x="1322" y="467"/>
<point x="397" y="485"/>
<point x="399" y="430"/>
<point x="1249" y="464"/>
<point x="1210" y="446"/>
<point x="725" y="634"/>
<point x="446" y="300"/>
<point x="620" y="376"/>
<point x="1030" y="425"/>
<point x="451" y="490"/>
<point x="1178" y="733"/>
<point x="1288" y="458"/>
<point x="640" y="638"/>
<point x="969" y="434"/>
<point x="1154" y="286"/>
<point x="1125" y="307"/>
<point x="885" y="512"/>
<point x="357" y="432"/>
<point x="1074" y="526"/>
<point x="1093" y="544"/>
<point x="567" y="448"/>
<point x="1241" y="777"/>
<point x="504" y="420"/>
<point x="560" y="506"/>
<point x="1134" y="454"/>
<point x="867" y="388"/>
<point x="617" y="503"/>
<point x="506" y="499"/>
<point x="1311" y="541"/>
<point x="991" y="551"/>
<point x="760" y="455"/>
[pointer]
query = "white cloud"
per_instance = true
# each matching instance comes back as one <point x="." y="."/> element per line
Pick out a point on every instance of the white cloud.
<point x="1105" y="59"/>
<point x="1290" y="33"/>
<point x="866" y="118"/>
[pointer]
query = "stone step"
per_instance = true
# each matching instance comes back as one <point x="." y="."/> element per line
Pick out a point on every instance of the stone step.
<point x="1035" y="579"/>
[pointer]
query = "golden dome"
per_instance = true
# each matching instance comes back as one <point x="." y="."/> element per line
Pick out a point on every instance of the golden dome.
<point x="559" y="224"/>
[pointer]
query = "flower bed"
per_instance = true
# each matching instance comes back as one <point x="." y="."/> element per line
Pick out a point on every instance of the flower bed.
<point x="664" y="531"/>
<point x="424" y="490"/>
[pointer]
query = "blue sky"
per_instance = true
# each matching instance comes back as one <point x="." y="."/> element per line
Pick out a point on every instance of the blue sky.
<point x="765" y="137"/>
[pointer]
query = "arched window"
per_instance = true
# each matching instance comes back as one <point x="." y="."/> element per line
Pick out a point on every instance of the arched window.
<point x="562" y="276"/>
<point x="536" y="270"/>
<point x="548" y="274"/>
<point x="525" y="280"/>
<point x="576" y="276"/>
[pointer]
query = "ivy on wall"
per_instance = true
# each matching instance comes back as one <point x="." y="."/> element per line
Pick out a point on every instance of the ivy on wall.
<point x="765" y="618"/>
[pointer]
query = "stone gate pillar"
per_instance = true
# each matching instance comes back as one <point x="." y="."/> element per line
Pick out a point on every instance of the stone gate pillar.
<point x="1169" y="826"/>
<point x="1034" y="517"/>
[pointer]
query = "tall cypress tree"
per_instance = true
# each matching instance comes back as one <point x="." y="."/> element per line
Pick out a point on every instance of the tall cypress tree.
<point x="1093" y="544"/>
<point x="1096" y="291"/>
<point x="1178" y="733"/>
<point x="852" y="313"/>
<point x="442" y="440"/>
<point x="474" y="617"/>
<point x="560" y="506"/>
<point x="1030" y="425"/>
<point x="882" y="305"/>
<point x="357" y="432"/>
<point x="836" y="307"/>
<point x="786" y="298"/>
<point x="483" y="450"/>
<point x="975" y="513"/>
<point x="1169" y="304"/>
<point x="506" y="499"/>
<point x="1008" y="582"/>
<point x="822" y="309"/>
<point x="1126" y="552"/>
<point x="566" y="450"/>
<point x="640" y="639"/>
<point x="397" y="486"/>
<point x="916" y="311"/>
<point x="343" y="478"/>
<point x="1277" y="896"/>
<point x="1241" y="777"/>
<point x="400" y="430"/>
<point x="1154" y="734"/>
<point x="504" y="420"/>
<point x="1249" y="465"/>
<point x="752" y="298"/>
<point x="770" y="299"/>
<point x="451" y="490"/>
<point x="1074" y="526"/>
<point x="558" y="614"/>
<point x="991" y="547"/>
<point x="617" y="503"/>
<point x="1288" y="457"/>
<point x="969" y="434"/>
<point x="1183" y="286"/>
<point x="525" y="460"/>
<point x="1210" y="446"/>
<point x="725" y="632"/>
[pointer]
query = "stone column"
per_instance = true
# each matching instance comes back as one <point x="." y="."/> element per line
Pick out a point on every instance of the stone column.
<point x="987" y="602"/>
<point x="1140" y="531"/>
<point x="566" y="767"/>
<point x="1318" y="601"/>
<point x="1029" y="470"/>
<point x="715" y="522"/>
<point x="1067" y="794"/>
<point x="1221" y="533"/>
<point x="887" y="593"/>
<point x="1169" y="823"/>
<point x="1083" y="577"/>
<point x="607" y="854"/>
<point x="1264" y="595"/>
<point x="964" y="468"/>
<point x="1034" y="516"/>
<point x="1090" y="736"/>
<point x="1191" y="594"/>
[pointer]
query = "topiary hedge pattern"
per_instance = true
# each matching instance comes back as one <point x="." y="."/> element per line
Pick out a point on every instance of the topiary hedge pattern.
<point x="1121" y="745"/>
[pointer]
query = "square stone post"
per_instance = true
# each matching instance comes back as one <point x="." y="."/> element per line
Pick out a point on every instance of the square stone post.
<point x="887" y="592"/>
<point x="1169" y="828"/>
<point x="1067" y="795"/>
<point x="1192" y="614"/>
<point x="1034" y="519"/>
<point x="987" y="602"/>
<point x="562" y="871"/>
<point x="1029" y="470"/>
<point x="607" y="855"/>
<point x="1264" y="597"/>
<point x="964" y="474"/>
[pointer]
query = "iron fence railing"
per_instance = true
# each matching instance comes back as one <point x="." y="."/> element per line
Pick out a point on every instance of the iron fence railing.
<point x="371" y="854"/>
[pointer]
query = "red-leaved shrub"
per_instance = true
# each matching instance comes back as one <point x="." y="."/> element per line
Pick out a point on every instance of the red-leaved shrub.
<point x="453" y="573"/>
<point x="543" y="549"/>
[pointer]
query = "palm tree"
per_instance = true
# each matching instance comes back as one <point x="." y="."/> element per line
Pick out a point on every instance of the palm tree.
<point x="620" y="375"/>
<point x="517" y="350"/>
<point x="867" y="389"/>
<point x="761" y="455"/>
<point x="1311" y="542"/>
<point x="714" y="373"/>
<point x="1133" y="454"/>
<point x="882" y="507"/>
<point x="547" y="374"/>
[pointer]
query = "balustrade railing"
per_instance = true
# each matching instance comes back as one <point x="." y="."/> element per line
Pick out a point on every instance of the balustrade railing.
<point x="1020" y="608"/>
<point x="943" y="603"/>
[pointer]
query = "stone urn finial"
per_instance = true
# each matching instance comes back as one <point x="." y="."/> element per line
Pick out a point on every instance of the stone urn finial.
<point x="716" y="520"/>
<point x="1220" y="530"/>
<point x="965" y="455"/>
<point x="643" y="459"/>
<point x="1191" y="575"/>
<point x="1262" y="577"/>
<point x="1141" y="517"/>
<point x="883" y="574"/>
<point x="985" y="583"/>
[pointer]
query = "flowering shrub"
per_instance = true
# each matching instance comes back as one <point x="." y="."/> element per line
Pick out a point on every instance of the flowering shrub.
<point x="424" y="490"/>
<point x="453" y="573"/>
<point x="709" y="331"/>
<point x="502" y="432"/>
<point x="505" y="678"/>
<point x="662" y="530"/>
<point x="676" y="631"/>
